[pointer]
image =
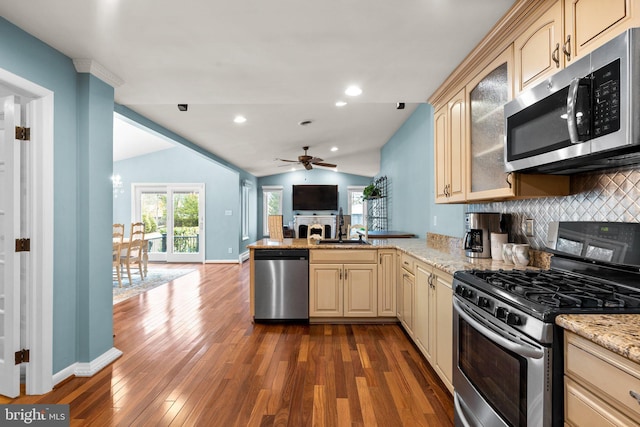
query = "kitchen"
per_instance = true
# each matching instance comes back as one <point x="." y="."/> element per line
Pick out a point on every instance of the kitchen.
<point x="594" y="191"/>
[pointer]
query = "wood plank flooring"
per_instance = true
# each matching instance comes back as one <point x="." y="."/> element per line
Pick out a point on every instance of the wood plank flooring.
<point x="192" y="357"/>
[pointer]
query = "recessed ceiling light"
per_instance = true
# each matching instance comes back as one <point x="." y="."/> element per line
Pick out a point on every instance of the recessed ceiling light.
<point x="334" y="148"/>
<point x="240" y="119"/>
<point x="340" y="104"/>
<point x="353" y="91"/>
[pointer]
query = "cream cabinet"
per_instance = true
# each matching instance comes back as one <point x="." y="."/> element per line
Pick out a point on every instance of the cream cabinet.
<point x="567" y="30"/>
<point x="407" y="285"/>
<point x="428" y="319"/>
<point x="343" y="283"/>
<point x="441" y="325"/>
<point x="602" y="388"/>
<point x="450" y="149"/>
<point x="589" y="24"/>
<point x="538" y="50"/>
<point x="424" y="307"/>
<point x="387" y="283"/>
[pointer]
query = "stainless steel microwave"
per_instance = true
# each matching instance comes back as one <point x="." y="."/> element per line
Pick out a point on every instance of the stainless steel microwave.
<point x="583" y="118"/>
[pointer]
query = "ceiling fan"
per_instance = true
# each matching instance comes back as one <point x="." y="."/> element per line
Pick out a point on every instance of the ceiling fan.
<point x="307" y="161"/>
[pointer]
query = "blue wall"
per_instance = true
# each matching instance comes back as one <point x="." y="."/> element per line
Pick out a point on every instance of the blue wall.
<point x="182" y="165"/>
<point x="28" y="57"/>
<point x="407" y="160"/>
<point x="315" y="176"/>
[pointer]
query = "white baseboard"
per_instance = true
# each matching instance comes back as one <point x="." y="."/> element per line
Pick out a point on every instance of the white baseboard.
<point x="244" y="256"/>
<point x="89" y="369"/>
<point x="222" y="261"/>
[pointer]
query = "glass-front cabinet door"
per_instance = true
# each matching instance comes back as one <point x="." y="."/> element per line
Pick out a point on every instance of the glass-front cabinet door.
<point x="487" y="95"/>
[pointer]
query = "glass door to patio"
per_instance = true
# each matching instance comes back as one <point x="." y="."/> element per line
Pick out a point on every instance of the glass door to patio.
<point x="173" y="215"/>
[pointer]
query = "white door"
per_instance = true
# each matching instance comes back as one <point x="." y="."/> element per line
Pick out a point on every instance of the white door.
<point x="9" y="258"/>
<point x="174" y="218"/>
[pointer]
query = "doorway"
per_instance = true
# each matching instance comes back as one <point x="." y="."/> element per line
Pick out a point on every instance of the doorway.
<point x="173" y="215"/>
<point x="26" y="229"/>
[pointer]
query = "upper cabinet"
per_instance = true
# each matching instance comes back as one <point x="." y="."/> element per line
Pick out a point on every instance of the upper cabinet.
<point x="450" y="143"/>
<point x="539" y="49"/>
<point x="486" y="95"/>
<point x="591" y="23"/>
<point x="552" y="42"/>
<point x="534" y="40"/>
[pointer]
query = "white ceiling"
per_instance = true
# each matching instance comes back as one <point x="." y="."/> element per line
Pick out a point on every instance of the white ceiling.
<point x="277" y="62"/>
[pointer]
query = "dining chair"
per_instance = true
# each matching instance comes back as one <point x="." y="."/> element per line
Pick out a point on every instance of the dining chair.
<point x="275" y="227"/>
<point x="137" y="226"/>
<point x="116" y="260"/>
<point x="118" y="229"/>
<point x="134" y="255"/>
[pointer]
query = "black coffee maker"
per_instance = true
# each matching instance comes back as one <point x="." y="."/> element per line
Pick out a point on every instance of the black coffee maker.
<point x="478" y="229"/>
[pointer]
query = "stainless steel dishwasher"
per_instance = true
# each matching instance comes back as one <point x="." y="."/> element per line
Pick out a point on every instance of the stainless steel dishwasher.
<point x="281" y="284"/>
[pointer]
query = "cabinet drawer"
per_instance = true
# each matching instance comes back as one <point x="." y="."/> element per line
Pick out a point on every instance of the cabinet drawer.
<point x="583" y="409"/>
<point x="608" y="375"/>
<point x="408" y="262"/>
<point x="364" y="256"/>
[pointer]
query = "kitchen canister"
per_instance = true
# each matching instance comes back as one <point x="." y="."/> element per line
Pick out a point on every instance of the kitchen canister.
<point x="507" y="253"/>
<point x="520" y="254"/>
<point x="497" y="240"/>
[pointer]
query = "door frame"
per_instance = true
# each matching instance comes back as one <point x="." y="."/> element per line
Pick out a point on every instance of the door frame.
<point x="39" y="287"/>
<point x="169" y="188"/>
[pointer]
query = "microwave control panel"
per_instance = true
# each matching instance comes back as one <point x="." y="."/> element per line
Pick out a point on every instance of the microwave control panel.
<point x="606" y="99"/>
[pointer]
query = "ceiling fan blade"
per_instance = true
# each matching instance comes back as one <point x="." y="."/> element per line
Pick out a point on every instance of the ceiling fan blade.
<point x="285" y="160"/>
<point x="326" y="165"/>
<point x="308" y="166"/>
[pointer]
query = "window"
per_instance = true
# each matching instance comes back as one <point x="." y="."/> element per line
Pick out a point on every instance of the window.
<point x="246" y="186"/>
<point x="355" y="206"/>
<point x="271" y="205"/>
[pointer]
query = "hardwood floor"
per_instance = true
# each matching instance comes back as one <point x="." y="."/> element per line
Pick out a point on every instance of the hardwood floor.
<point x="192" y="357"/>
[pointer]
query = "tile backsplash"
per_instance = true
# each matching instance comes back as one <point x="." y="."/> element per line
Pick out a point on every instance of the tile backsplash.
<point x="601" y="196"/>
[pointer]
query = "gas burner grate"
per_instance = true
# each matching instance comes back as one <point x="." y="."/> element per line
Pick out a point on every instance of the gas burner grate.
<point x="560" y="289"/>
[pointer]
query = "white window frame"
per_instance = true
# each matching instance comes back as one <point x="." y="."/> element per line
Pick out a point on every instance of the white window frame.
<point x="246" y="189"/>
<point x="350" y="190"/>
<point x="278" y="189"/>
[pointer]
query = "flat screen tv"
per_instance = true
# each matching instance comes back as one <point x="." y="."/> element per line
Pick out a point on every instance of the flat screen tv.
<point x="315" y="197"/>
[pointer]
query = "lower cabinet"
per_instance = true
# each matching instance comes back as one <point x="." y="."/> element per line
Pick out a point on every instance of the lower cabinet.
<point x="601" y="388"/>
<point x="343" y="289"/>
<point x="387" y="283"/>
<point x="431" y="327"/>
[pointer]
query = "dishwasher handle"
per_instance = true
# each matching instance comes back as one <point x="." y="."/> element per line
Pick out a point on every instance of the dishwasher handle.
<point x="281" y="254"/>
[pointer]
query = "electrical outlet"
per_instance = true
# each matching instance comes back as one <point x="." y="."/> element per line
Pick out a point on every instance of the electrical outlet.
<point x="230" y="250"/>
<point x="527" y="227"/>
<point x="435" y="220"/>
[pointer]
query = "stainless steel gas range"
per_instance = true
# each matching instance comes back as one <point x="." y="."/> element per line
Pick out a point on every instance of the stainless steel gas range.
<point x="508" y="362"/>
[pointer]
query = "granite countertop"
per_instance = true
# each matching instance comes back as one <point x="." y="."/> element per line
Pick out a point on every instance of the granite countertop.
<point x="619" y="333"/>
<point x="449" y="261"/>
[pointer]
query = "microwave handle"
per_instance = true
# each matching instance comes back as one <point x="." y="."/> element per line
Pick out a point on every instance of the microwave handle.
<point x="572" y="99"/>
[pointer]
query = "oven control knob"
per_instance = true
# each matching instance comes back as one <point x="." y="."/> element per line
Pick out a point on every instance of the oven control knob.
<point x="460" y="289"/>
<point x="467" y="293"/>
<point x="483" y="302"/>
<point x="501" y="313"/>
<point x="513" y="319"/>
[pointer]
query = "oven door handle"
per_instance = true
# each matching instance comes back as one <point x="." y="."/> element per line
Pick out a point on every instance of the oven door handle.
<point x="497" y="336"/>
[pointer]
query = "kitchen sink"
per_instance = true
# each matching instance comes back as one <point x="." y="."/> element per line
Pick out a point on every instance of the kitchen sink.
<point x="343" y="242"/>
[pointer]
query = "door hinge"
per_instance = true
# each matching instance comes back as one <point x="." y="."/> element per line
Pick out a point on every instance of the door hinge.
<point x="22" y="133"/>
<point x="23" y="245"/>
<point x="22" y="356"/>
